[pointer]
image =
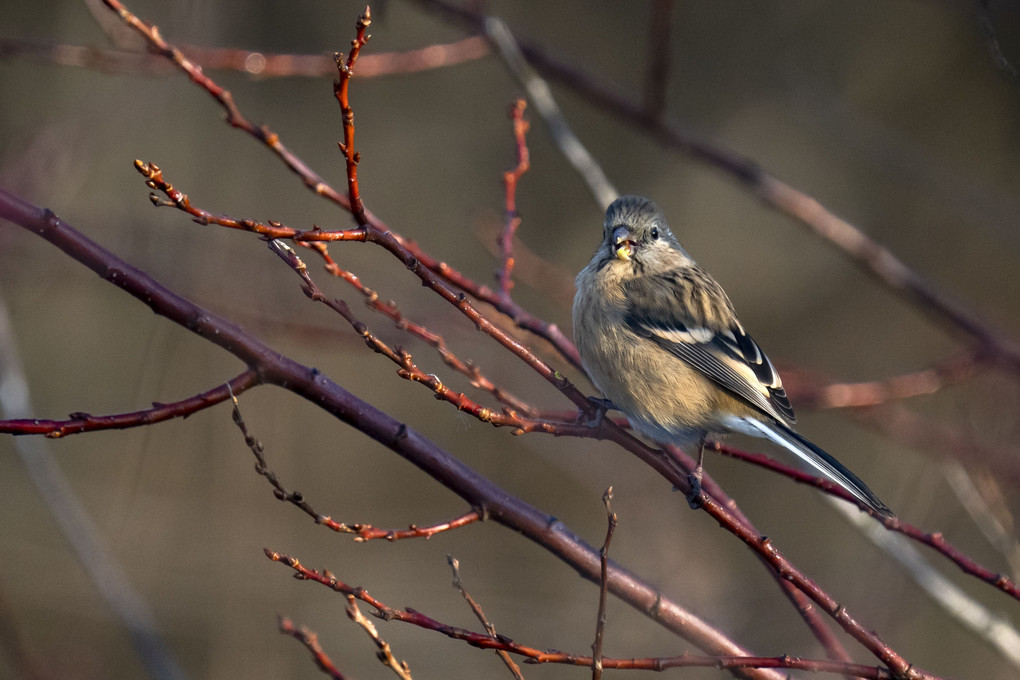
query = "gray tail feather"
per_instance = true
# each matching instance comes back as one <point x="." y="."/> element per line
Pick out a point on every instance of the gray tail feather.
<point x="818" y="458"/>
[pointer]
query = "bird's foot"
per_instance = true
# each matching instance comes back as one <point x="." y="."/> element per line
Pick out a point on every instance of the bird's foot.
<point x="694" y="497"/>
<point x="594" y="415"/>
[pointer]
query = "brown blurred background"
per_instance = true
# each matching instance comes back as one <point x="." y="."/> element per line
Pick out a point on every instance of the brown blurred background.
<point x="891" y="114"/>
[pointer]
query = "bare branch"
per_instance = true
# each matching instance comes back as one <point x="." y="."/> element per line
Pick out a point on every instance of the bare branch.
<point x="85" y="422"/>
<point x="476" y="609"/>
<point x="366" y="532"/>
<point x="512" y="219"/>
<point x="600" y="625"/>
<point x="311" y="641"/>
<point x="341" y="87"/>
<point x="385" y="654"/>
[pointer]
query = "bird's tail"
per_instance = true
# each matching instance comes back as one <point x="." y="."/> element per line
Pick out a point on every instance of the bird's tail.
<point x="816" y="457"/>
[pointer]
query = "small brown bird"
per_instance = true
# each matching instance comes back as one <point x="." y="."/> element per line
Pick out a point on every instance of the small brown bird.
<point x="659" y="338"/>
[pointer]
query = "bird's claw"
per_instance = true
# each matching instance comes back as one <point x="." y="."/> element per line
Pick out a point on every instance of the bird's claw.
<point x="694" y="497"/>
<point x="594" y="415"/>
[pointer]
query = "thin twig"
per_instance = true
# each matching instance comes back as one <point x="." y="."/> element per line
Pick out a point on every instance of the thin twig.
<point x="512" y="218"/>
<point x="550" y="278"/>
<point x="367" y="532"/>
<point x="280" y="492"/>
<point x="341" y="88"/>
<point x="600" y="623"/>
<point x="385" y="654"/>
<point x="476" y="609"/>
<point x="311" y="642"/>
<point x="155" y="180"/>
<point x="389" y="309"/>
<point x="362" y="532"/>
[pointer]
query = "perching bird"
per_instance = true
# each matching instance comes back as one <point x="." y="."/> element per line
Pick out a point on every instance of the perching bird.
<point x="659" y="338"/>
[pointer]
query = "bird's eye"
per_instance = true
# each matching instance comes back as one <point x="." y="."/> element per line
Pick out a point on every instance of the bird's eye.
<point x="655" y="232"/>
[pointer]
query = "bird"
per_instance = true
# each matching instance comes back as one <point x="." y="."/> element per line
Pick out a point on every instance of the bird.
<point x="660" y="339"/>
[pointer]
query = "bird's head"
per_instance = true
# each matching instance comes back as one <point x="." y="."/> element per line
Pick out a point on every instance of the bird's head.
<point x="635" y="231"/>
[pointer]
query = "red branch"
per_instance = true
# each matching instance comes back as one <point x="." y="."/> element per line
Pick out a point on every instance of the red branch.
<point x="275" y="230"/>
<point x="176" y="199"/>
<point x="366" y="532"/>
<point x="389" y="309"/>
<point x="340" y="89"/>
<point x="513" y="218"/>
<point x="311" y="641"/>
<point x="85" y="422"/>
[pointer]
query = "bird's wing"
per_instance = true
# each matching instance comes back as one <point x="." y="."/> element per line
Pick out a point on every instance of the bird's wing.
<point x="687" y="313"/>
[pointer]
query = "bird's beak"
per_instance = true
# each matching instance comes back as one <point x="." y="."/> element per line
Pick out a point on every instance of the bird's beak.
<point x="623" y="244"/>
